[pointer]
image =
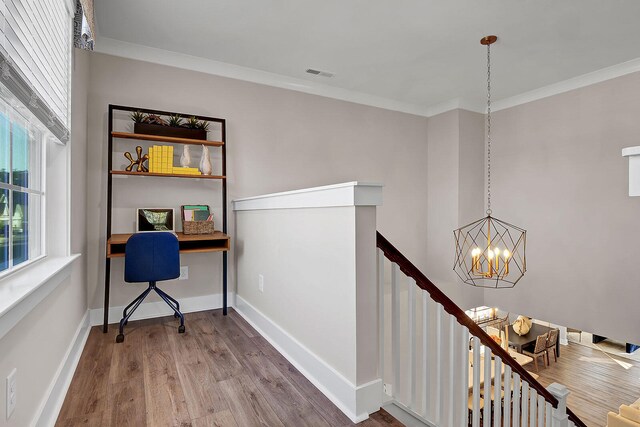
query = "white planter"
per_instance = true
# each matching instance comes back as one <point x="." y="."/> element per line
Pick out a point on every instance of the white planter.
<point x="633" y="153"/>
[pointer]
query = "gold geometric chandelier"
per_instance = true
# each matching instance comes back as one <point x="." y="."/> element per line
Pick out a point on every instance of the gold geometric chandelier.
<point x="490" y="253"/>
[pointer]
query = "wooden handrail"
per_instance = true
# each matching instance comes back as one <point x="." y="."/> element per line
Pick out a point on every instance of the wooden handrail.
<point x="573" y="417"/>
<point x="452" y="308"/>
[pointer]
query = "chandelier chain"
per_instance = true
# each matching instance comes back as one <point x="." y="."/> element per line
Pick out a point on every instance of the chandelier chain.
<point x="488" y="129"/>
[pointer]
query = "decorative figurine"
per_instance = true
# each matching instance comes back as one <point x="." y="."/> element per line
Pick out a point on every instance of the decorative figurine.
<point x="140" y="167"/>
<point x="185" y="159"/>
<point x="205" y="161"/>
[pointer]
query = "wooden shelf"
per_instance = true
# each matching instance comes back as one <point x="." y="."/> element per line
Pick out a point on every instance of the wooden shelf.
<point x="161" y="138"/>
<point x="189" y="243"/>
<point x="173" y="175"/>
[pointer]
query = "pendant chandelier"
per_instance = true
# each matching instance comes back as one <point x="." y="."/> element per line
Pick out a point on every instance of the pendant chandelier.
<point x="490" y="253"/>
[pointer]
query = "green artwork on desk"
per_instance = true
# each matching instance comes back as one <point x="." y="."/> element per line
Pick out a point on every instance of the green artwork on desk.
<point x="155" y="219"/>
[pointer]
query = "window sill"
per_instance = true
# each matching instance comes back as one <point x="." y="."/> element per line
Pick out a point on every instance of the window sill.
<point x="21" y="291"/>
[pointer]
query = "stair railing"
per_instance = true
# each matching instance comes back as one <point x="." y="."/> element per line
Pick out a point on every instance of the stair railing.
<point x="429" y="370"/>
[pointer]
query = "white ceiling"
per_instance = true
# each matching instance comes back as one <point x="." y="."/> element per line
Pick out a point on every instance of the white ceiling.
<point x="417" y="52"/>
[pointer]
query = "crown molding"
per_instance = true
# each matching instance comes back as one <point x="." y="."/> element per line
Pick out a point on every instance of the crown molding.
<point x="122" y="49"/>
<point x="456" y="104"/>
<point x="578" y="82"/>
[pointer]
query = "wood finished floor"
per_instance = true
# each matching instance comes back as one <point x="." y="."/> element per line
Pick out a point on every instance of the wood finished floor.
<point x="221" y="372"/>
<point x="598" y="384"/>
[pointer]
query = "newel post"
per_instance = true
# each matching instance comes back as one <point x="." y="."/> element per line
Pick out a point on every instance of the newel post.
<point x="559" y="416"/>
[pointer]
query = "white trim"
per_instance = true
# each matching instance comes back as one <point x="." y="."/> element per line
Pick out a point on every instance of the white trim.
<point x="356" y="402"/>
<point x="22" y="291"/>
<point x="345" y="194"/>
<point x="149" y="310"/>
<point x="154" y="55"/>
<point x="50" y="407"/>
<point x="406" y="416"/>
<point x="122" y="49"/>
<point x="631" y="151"/>
<point x="456" y="104"/>
<point x="578" y="82"/>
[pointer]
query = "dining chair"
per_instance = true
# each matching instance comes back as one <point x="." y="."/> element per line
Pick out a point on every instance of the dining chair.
<point x="552" y="341"/>
<point x="480" y="408"/>
<point x="540" y="349"/>
<point x="151" y="257"/>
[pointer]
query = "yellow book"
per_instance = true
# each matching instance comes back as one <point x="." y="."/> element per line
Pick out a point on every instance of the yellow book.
<point x="150" y="162"/>
<point x="170" y="160"/>
<point x="186" y="171"/>
<point x="165" y="153"/>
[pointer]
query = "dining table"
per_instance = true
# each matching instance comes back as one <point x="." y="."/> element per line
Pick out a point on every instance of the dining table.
<point x="518" y="342"/>
<point x="522" y="359"/>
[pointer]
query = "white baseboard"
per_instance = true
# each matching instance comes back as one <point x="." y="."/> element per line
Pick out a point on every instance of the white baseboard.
<point x="54" y="398"/>
<point x="150" y="310"/>
<point x="356" y="402"/>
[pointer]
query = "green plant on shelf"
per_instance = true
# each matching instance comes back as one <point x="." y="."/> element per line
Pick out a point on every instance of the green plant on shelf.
<point x="138" y="117"/>
<point x="202" y="125"/>
<point x="192" y="123"/>
<point x="175" y="120"/>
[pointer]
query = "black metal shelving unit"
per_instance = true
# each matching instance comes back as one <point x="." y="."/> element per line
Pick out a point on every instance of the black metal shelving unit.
<point x="215" y="246"/>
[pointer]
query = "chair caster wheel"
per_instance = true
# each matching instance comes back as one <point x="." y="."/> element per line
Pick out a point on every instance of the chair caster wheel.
<point x="120" y="338"/>
<point x="181" y="329"/>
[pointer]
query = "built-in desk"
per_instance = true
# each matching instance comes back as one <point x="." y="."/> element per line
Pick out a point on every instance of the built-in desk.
<point x="189" y="243"/>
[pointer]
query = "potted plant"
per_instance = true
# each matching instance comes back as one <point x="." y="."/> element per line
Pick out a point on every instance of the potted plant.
<point x="174" y="126"/>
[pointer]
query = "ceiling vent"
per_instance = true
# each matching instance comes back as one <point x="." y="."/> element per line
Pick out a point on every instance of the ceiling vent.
<point x="319" y="73"/>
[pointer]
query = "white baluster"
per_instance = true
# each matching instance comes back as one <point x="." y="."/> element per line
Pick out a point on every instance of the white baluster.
<point x="516" y="400"/>
<point x="477" y="369"/>
<point x="412" y="343"/>
<point x="525" y="404"/>
<point x="547" y="414"/>
<point x="486" y="416"/>
<point x="439" y="372"/>
<point x="426" y="371"/>
<point x="533" y="401"/>
<point x="464" y="379"/>
<point x="497" y="392"/>
<point x="395" y="326"/>
<point x="452" y="366"/>
<point x="381" y="314"/>
<point x="507" y="395"/>
<point x="541" y="408"/>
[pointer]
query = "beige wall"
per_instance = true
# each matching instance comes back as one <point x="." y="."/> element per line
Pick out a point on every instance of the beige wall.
<point x="277" y="140"/>
<point x="309" y="291"/>
<point x="37" y="345"/>
<point x="557" y="171"/>
<point x="455" y="195"/>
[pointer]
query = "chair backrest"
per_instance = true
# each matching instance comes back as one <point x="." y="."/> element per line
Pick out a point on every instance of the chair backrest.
<point x="149" y="257"/>
<point x="553" y="338"/>
<point x="541" y="343"/>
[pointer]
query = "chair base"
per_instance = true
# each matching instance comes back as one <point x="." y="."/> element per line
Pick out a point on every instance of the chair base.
<point x="126" y="314"/>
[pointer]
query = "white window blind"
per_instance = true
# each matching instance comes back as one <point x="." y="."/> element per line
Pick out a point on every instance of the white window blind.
<point x="35" y="47"/>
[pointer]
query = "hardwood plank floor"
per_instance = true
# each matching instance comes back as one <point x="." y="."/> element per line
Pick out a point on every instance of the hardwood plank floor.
<point x="597" y="382"/>
<point x="220" y="372"/>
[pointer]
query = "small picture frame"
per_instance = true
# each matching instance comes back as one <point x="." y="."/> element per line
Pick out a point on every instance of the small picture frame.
<point x="155" y="219"/>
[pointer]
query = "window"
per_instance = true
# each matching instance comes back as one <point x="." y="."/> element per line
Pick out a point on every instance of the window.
<point x="35" y="71"/>
<point x="21" y="190"/>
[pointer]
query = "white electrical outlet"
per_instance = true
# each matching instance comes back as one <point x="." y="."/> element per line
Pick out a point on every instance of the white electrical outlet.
<point x="184" y="273"/>
<point x="11" y="393"/>
<point x="260" y="282"/>
<point x="388" y="389"/>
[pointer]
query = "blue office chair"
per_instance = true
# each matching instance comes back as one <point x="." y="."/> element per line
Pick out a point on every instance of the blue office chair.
<point x="151" y="257"/>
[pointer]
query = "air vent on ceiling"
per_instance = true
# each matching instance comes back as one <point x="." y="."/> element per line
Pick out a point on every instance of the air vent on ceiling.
<point x="319" y="73"/>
